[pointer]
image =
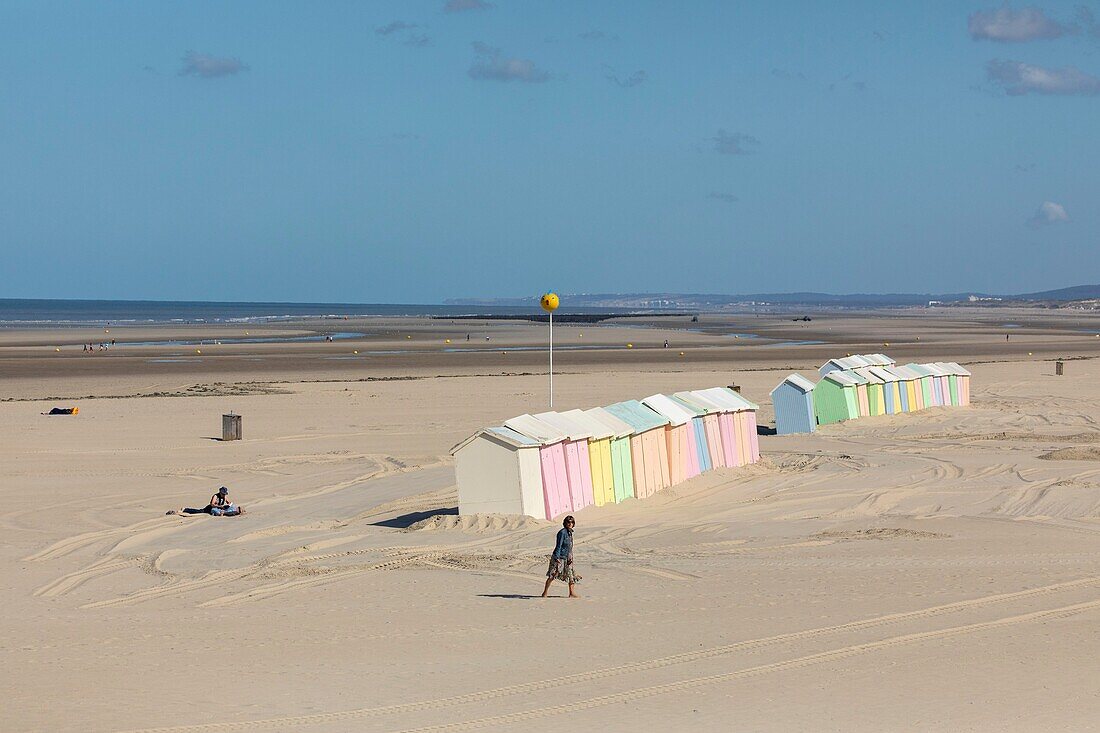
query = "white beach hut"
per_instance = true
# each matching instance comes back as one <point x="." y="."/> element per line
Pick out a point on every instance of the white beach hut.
<point x="499" y="471"/>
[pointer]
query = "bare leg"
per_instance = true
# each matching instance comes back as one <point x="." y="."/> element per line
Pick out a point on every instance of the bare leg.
<point x="546" y="589"/>
<point x="572" y="593"/>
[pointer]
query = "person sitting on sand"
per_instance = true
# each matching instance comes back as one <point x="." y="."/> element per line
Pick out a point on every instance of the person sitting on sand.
<point x="561" y="562"/>
<point x="219" y="506"/>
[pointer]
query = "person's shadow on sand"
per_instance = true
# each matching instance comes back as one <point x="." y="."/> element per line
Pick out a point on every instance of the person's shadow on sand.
<point x="514" y="596"/>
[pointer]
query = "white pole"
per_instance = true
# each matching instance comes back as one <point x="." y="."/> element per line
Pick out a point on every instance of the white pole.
<point x="551" y="358"/>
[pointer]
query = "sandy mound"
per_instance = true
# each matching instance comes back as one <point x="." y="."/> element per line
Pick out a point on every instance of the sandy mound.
<point x="1089" y="453"/>
<point x="477" y="523"/>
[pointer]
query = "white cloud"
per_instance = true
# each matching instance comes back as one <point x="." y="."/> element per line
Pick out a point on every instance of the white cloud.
<point x="1048" y="213"/>
<point x="1019" y="78"/>
<point x="210" y="67"/>
<point x="1006" y="25"/>
<point x="490" y="65"/>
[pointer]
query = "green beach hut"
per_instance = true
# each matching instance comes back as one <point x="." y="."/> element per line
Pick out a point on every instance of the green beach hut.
<point x="835" y="398"/>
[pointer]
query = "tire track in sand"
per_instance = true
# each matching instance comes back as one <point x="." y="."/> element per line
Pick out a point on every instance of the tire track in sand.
<point x="73" y="580"/>
<point x="675" y="659"/>
<point x="642" y="693"/>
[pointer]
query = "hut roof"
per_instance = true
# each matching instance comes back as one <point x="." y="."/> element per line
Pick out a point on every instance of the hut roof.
<point x="694" y="407"/>
<point x="536" y="429"/>
<point x="619" y="428"/>
<point x="566" y="424"/>
<point x="844" y="379"/>
<point x="726" y="398"/>
<point x="698" y="402"/>
<point x="869" y="374"/>
<point x="502" y="434"/>
<point x="749" y="404"/>
<point x="665" y="406"/>
<point x="959" y="370"/>
<point x="936" y="370"/>
<point x="637" y="415"/>
<point x="798" y="381"/>
<point x="906" y="373"/>
<point x="855" y="376"/>
<point x="884" y="374"/>
<point x="858" y="361"/>
<point x="596" y="429"/>
<point x="920" y="370"/>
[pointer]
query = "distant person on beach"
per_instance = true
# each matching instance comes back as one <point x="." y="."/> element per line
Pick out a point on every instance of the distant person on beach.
<point x="219" y="506"/>
<point x="561" y="562"/>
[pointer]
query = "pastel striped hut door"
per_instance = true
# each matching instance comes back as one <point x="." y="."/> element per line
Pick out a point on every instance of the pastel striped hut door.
<point x="728" y="423"/>
<point x="754" y="438"/>
<point x="555" y="483"/>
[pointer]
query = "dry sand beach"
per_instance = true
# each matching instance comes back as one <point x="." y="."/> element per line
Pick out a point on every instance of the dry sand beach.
<point x="930" y="571"/>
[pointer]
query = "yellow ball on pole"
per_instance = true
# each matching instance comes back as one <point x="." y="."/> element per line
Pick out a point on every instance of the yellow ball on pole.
<point x="549" y="303"/>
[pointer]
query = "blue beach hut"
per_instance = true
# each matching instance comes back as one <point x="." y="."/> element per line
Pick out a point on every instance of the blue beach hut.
<point x="793" y="400"/>
<point x="700" y="434"/>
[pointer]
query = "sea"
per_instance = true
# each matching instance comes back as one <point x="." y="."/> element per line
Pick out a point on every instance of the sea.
<point x="34" y="313"/>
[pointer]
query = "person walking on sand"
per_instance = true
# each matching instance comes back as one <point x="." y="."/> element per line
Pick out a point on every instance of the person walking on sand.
<point x="561" y="562"/>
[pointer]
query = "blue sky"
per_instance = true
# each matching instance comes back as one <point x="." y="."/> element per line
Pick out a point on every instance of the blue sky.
<point x="411" y="152"/>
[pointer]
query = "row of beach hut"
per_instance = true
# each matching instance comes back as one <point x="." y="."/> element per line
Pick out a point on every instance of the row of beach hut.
<point x="554" y="463"/>
<point x="866" y="385"/>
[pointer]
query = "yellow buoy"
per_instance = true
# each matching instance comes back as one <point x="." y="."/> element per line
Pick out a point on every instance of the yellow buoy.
<point x="1029" y="353"/>
<point x="355" y="352"/>
<point x="630" y="346"/>
<point x="550" y="302"/>
<point x="56" y="349"/>
<point x="681" y="353"/>
<point x="408" y="337"/>
<point x="447" y="341"/>
<point x="198" y="351"/>
<point x="886" y="343"/>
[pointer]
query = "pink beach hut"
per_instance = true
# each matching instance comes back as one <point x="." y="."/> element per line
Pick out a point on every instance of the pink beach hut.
<point x="728" y="424"/>
<point x="711" y="427"/>
<point x="561" y="480"/>
<point x="683" y="450"/>
<point x="579" y="434"/>
<point x="745" y="419"/>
